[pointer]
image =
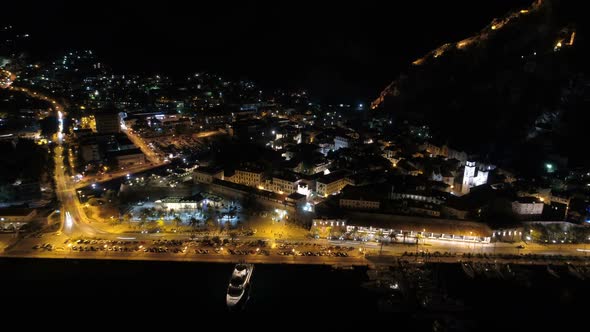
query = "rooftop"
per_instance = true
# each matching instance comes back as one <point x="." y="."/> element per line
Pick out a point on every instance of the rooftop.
<point x="332" y="177"/>
<point x="208" y="170"/>
<point x="527" y="200"/>
<point x="128" y="152"/>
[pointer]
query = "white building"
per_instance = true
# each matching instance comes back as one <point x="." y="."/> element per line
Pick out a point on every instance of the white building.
<point x="527" y="206"/>
<point x="473" y="177"/>
<point x="284" y="185"/>
<point x="303" y="189"/>
<point x="341" y="142"/>
<point x="178" y="203"/>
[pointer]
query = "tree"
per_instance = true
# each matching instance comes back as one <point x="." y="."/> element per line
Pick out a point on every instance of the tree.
<point x="210" y="224"/>
<point x="379" y="234"/>
<point x="127" y="218"/>
<point x="144" y="214"/>
<point x="233" y="236"/>
<point x="392" y="237"/>
<point x="48" y="126"/>
<point x="177" y="221"/>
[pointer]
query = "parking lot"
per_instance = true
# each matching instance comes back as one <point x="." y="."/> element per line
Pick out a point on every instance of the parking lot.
<point x="203" y="246"/>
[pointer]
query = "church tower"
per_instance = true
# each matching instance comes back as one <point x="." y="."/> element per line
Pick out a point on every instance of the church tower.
<point x="468" y="175"/>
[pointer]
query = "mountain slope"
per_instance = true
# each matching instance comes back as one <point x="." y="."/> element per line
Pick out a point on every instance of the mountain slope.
<point x="516" y="88"/>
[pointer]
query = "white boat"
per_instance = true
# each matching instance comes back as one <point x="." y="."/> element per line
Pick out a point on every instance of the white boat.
<point x="239" y="285"/>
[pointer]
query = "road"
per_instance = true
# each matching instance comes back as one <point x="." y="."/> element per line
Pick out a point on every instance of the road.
<point x="147" y="151"/>
<point x="87" y="180"/>
<point x="71" y="214"/>
<point x="359" y="254"/>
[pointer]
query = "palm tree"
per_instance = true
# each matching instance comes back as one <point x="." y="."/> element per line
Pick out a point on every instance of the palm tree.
<point x="379" y="234"/>
<point x="177" y="221"/>
<point x="127" y="218"/>
<point x="392" y="237"/>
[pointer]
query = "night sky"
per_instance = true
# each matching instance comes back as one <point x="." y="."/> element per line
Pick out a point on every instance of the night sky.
<point x="341" y="51"/>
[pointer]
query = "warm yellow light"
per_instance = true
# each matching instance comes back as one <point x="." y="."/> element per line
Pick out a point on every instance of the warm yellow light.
<point x="494" y="27"/>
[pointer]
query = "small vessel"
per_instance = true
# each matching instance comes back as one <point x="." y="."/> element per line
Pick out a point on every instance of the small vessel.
<point x="584" y="270"/>
<point x="468" y="269"/>
<point x="488" y="271"/>
<point x="239" y="285"/>
<point x="573" y="270"/>
<point x="507" y="272"/>
<point x="552" y="272"/>
<point x="497" y="271"/>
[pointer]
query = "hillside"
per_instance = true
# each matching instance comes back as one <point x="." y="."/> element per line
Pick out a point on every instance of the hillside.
<point x="517" y="92"/>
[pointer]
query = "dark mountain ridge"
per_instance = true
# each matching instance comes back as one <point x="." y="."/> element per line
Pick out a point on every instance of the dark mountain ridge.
<point x="518" y="92"/>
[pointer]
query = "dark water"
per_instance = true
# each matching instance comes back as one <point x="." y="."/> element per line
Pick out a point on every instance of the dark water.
<point x="532" y="299"/>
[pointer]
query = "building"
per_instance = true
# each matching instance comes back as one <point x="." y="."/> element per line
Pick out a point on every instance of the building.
<point x="248" y="176"/>
<point x="448" y="178"/>
<point x="560" y="198"/>
<point x="360" y="198"/>
<point x="25" y="190"/>
<point x="458" y="155"/>
<point x="452" y="211"/>
<point x="434" y="150"/>
<point x="90" y="151"/>
<point x="432" y="196"/>
<point x="303" y="189"/>
<point x="180" y="203"/>
<point x="207" y="174"/>
<point x="526" y="207"/>
<point x="328" y="227"/>
<point x="360" y="204"/>
<point x="407" y="229"/>
<point x="108" y="122"/>
<point x="424" y="209"/>
<point x="341" y="142"/>
<point x="473" y="177"/>
<point x="331" y="184"/>
<point x="390" y="153"/>
<point x="124" y="143"/>
<point x="282" y="184"/>
<point x="14" y="218"/>
<point x="127" y="157"/>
